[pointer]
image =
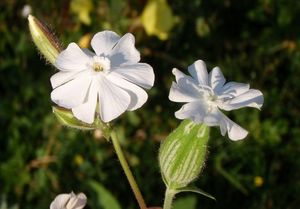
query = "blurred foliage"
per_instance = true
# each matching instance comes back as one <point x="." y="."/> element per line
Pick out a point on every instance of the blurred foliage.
<point x="255" y="41"/>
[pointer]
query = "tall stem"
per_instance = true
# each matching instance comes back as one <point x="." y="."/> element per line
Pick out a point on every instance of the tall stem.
<point x="169" y="196"/>
<point x="128" y="173"/>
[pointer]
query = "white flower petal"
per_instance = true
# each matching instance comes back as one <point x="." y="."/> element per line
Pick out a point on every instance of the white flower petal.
<point x="72" y="93"/>
<point x="216" y="80"/>
<point x="103" y="42"/>
<point x="213" y="117"/>
<point x="86" y="111"/>
<point x="113" y="100"/>
<point x="88" y="52"/>
<point x="72" y="59"/>
<point x="235" y="132"/>
<point x="199" y="72"/>
<point x="179" y="94"/>
<point x="252" y="98"/>
<point x="138" y="96"/>
<point x="124" y="52"/>
<point x="81" y="201"/>
<point x="233" y="89"/>
<point x="186" y="83"/>
<point x="140" y="74"/>
<point x="180" y="75"/>
<point x="64" y="76"/>
<point x="76" y="201"/>
<point x="60" y="201"/>
<point x="195" y="111"/>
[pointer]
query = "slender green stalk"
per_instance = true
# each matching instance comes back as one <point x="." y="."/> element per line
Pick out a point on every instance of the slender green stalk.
<point x="128" y="173"/>
<point x="169" y="196"/>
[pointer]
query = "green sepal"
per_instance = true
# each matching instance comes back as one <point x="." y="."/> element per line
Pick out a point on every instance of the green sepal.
<point x="195" y="190"/>
<point x="66" y="118"/>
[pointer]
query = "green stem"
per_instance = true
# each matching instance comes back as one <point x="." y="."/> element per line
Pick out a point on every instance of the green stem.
<point x="128" y="173"/>
<point x="169" y="196"/>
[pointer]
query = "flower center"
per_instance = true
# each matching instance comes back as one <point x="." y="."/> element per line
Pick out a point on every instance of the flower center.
<point x="212" y="98"/>
<point x="100" y="64"/>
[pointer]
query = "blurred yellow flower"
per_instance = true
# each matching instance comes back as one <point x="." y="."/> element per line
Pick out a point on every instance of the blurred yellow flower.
<point x="78" y="159"/>
<point x="258" y="181"/>
<point x="202" y="27"/>
<point x="158" y="19"/>
<point x="84" y="41"/>
<point x="82" y="9"/>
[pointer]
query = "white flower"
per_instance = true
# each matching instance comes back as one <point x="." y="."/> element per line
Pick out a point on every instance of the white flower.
<point x="205" y="94"/>
<point x="69" y="201"/>
<point x="111" y="77"/>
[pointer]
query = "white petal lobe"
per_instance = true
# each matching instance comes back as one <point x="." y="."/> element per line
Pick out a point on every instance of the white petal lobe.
<point x="186" y="83"/>
<point x="72" y="93"/>
<point x="140" y="74"/>
<point x="60" y="201"/>
<point x="235" y="132"/>
<point x="194" y="110"/>
<point x="178" y="94"/>
<point x="216" y="79"/>
<point x="72" y="59"/>
<point x="199" y="72"/>
<point x="103" y="42"/>
<point x="113" y="100"/>
<point x="86" y="111"/>
<point x="233" y="89"/>
<point x="252" y="98"/>
<point x="62" y="77"/>
<point x="124" y="52"/>
<point x="137" y="95"/>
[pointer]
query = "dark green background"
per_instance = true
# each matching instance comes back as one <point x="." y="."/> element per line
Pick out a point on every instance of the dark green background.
<point x="253" y="41"/>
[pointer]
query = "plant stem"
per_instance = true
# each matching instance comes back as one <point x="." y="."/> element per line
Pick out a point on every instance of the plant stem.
<point x="169" y="196"/>
<point x="128" y="173"/>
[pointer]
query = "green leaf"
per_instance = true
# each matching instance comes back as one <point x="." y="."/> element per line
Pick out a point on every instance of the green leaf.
<point x="105" y="199"/>
<point x="195" y="190"/>
<point x="232" y="179"/>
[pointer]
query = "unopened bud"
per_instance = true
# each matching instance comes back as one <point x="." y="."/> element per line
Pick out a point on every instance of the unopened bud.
<point x="45" y="41"/>
<point x="69" y="201"/>
<point x="66" y="118"/>
<point x="182" y="154"/>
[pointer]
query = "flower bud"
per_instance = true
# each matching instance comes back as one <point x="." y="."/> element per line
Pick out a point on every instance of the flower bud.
<point x="182" y="154"/>
<point x="69" y="201"/>
<point x="45" y="41"/>
<point x="66" y="118"/>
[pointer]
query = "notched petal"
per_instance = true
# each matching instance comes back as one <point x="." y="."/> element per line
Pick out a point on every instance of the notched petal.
<point x="103" y="42"/>
<point x="235" y="132"/>
<point x="124" y="52"/>
<point x="72" y="59"/>
<point x="199" y="72"/>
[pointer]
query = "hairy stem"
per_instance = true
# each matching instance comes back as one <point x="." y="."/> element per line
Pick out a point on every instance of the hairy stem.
<point x="128" y="173"/>
<point x="169" y="196"/>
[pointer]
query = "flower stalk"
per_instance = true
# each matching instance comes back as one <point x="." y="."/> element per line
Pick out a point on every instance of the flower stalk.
<point x="169" y="196"/>
<point x="127" y="171"/>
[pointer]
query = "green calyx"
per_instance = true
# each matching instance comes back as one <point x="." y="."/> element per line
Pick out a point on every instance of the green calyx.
<point x="66" y="118"/>
<point x="182" y="154"/>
